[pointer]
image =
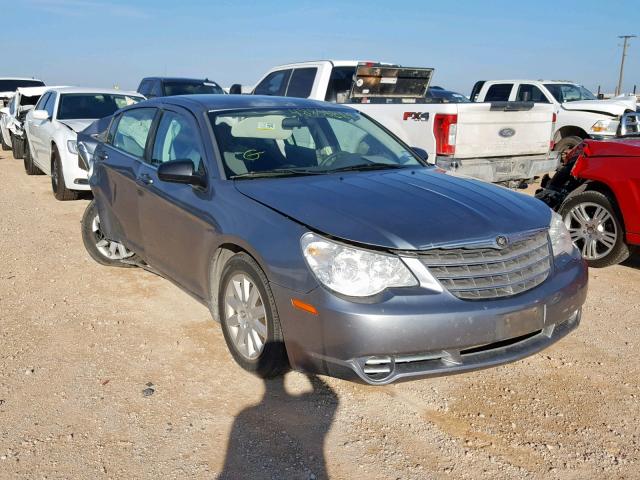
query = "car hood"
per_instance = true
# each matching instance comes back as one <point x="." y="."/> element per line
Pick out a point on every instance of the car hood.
<point x="77" y="125"/>
<point x="614" y="106"/>
<point x="400" y="209"/>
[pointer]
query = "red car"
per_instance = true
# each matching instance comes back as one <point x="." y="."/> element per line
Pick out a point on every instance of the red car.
<point x="597" y="193"/>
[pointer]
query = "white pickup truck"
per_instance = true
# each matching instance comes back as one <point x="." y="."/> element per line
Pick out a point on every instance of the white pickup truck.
<point x="579" y="113"/>
<point x="496" y="142"/>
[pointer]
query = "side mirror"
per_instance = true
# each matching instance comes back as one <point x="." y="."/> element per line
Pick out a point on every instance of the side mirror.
<point x="180" y="171"/>
<point x="235" y="89"/>
<point x="421" y="152"/>
<point x="40" y="115"/>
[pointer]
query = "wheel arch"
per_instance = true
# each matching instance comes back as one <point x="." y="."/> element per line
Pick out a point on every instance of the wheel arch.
<point x="569" y="131"/>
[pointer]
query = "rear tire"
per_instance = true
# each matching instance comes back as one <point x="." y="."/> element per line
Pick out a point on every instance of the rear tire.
<point x="567" y="143"/>
<point x="98" y="247"/>
<point x="18" y="147"/>
<point x="613" y="249"/>
<point x="29" y="167"/>
<point x="5" y="147"/>
<point x="60" y="190"/>
<point x="255" y="340"/>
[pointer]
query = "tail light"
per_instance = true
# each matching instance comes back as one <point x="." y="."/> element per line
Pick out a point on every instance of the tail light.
<point x="445" y="127"/>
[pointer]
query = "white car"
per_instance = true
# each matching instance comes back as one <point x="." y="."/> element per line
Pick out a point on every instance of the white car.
<point x="11" y="121"/>
<point x="51" y="132"/>
<point x="580" y="114"/>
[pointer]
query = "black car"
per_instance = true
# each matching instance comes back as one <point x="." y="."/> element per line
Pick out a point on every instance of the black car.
<point x="168" y="86"/>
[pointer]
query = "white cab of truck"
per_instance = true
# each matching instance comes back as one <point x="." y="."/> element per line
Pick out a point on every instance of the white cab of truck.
<point x="580" y="114"/>
<point x="495" y="142"/>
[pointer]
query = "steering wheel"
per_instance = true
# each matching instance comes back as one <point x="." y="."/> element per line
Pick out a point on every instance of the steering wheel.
<point x="331" y="159"/>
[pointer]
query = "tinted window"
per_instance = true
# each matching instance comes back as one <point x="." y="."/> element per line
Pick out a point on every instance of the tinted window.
<point x="155" y="89"/>
<point x="132" y="131"/>
<point x="95" y="105"/>
<point x="531" y="93"/>
<point x="192" y="87"/>
<point x="42" y="101"/>
<point x="301" y="82"/>
<point x="145" y="87"/>
<point x="439" y="95"/>
<point x="12" y="85"/>
<point x="176" y="139"/>
<point x="274" y="84"/>
<point x="49" y="105"/>
<point x="24" y="101"/>
<point x="499" y="92"/>
<point x="339" y="82"/>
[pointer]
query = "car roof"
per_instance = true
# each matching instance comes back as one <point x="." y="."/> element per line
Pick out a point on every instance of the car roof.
<point x="91" y="90"/>
<point x="32" y="91"/>
<point x="21" y="78"/>
<point x="179" y="79"/>
<point x="521" y="80"/>
<point x="231" y="102"/>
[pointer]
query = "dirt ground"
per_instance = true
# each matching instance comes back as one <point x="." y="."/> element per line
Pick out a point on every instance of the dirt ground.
<point x="80" y="343"/>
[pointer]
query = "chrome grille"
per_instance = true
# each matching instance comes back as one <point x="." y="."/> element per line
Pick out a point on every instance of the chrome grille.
<point x="482" y="273"/>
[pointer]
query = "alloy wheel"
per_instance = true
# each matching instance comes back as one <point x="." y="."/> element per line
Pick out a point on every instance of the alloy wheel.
<point x="245" y="316"/>
<point x="110" y="249"/>
<point x="593" y="229"/>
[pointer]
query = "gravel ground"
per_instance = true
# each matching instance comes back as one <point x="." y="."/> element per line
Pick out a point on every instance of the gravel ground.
<point x="116" y="373"/>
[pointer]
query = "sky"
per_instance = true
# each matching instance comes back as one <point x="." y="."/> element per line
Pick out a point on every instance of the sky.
<point x="104" y="43"/>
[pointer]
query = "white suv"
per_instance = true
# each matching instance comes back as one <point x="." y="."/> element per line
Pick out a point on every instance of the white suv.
<point x="51" y="132"/>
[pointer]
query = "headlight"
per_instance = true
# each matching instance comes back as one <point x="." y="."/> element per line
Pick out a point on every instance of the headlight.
<point x="608" y="127"/>
<point x="560" y="237"/>
<point x="352" y="271"/>
<point x="72" y="146"/>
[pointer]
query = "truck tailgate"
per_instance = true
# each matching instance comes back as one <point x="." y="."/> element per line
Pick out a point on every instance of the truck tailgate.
<point x="492" y="130"/>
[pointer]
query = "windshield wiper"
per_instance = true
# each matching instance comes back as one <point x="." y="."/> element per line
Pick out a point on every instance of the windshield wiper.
<point x="278" y="172"/>
<point x="370" y="166"/>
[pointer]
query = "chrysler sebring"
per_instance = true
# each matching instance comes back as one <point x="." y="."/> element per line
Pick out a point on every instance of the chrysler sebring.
<point x="322" y="243"/>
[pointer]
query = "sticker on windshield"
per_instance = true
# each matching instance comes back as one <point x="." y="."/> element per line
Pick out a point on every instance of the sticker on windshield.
<point x="252" y="155"/>
<point x="389" y="80"/>
<point x="266" y="126"/>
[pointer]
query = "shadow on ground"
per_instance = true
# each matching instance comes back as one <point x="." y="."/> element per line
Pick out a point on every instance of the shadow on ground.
<point x="633" y="261"/>
<point x="282" y="436"/>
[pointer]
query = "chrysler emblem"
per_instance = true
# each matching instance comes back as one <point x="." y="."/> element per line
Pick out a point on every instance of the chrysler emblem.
<point x="502" y="241"/>
<point x="507" y="132"/>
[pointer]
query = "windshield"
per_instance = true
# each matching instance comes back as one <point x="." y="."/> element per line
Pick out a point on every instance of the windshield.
<point x="78" y="106"/>
<point x="569" y="92"/>
<point x="12" y="85"/>
<point x="191" y="88"/>
<point x="305" y="141"/>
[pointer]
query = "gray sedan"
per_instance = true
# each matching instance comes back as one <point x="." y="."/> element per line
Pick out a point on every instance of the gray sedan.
<point x="321" y="242"/>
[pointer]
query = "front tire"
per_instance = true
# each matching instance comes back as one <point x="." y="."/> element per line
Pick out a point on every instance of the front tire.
<point x="29" y="167"/>
<point x="60" y="190"/>
<point x="567" y="143"/>
<point x="18" y="147"/>
<point x="249" y="317"/>
<point x="101" y="249"/>
<point x="595" y="227"/>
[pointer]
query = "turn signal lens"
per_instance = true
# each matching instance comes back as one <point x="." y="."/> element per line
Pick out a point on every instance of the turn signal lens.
<point x="299" y="304"/>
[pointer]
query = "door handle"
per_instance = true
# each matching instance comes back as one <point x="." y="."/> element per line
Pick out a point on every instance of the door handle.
<point x="103" y="156"/>
<point x="146" y="179"/>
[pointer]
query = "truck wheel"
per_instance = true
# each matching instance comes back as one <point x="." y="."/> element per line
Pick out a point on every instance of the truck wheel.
<point x="5" y="147"/>
<point x="567" y="143"/>
<point x="18" y="147"/>
<point x="250" y="322"/>
<point x="29" y="166"/>
<point x="102" y="250"/>
<point x="60" y="190"/>
<point x="595" y="228"/>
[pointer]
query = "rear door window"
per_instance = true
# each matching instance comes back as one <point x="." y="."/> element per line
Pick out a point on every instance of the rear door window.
<point x="498" y="92"/>
<point x="530" y="93"/>
<point x="301" y="82"/>
<point x="339" y="82"/>
<point x="132" y="131"/>
<point x="274" y="84"/>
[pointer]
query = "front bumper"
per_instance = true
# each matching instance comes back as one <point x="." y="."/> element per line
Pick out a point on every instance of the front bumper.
<point x="417" y="333"/>
<point x="500" y="169"/>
